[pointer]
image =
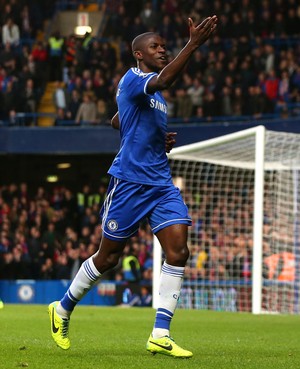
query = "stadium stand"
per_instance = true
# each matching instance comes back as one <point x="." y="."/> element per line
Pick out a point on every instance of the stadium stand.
<point x="250" y="69"/>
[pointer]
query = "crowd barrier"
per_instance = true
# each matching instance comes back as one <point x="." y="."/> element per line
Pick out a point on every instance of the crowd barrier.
<point x="104" y="139"/>
<point x="44" y="292"/>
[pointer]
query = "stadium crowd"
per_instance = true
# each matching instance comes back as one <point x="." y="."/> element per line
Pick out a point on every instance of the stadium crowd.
<point x="251" y="67"/>
<point x="22" y="71"/>
<point x="47" y="235"/>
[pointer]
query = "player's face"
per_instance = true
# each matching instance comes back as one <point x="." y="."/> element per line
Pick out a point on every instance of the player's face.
<point x="154" y="53"/>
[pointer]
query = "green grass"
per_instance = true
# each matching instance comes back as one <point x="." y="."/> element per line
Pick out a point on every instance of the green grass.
<point x="107" y="338"/>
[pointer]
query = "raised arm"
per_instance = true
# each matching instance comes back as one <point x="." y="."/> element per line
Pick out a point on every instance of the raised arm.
<point x="198" y="36"/>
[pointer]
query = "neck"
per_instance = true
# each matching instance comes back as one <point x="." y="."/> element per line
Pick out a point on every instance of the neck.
<point x="146" y="69"/>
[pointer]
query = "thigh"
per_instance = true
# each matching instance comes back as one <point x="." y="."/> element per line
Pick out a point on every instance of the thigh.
<point x="170" y="209"/>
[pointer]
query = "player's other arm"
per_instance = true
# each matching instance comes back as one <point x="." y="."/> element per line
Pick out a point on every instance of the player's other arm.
<point x="198" y="36"/>
<point x="115" y="122"/>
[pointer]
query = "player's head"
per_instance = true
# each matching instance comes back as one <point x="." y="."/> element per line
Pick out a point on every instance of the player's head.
<point x="149" y="50"/>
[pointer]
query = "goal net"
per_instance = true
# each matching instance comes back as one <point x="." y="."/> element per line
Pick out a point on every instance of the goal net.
<point x="243" y="195"/>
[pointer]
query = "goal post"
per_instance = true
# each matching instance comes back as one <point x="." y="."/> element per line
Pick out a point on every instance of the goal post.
<point x="242" y="190"/>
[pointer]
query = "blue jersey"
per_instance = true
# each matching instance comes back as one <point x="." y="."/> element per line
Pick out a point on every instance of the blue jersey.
<point x="143" y="126"/>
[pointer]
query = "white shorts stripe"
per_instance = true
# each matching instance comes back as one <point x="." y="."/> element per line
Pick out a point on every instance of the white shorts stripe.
<point x="121" y="238"/>
<point x="171" y="220"/>
<point x="108" y="200"/>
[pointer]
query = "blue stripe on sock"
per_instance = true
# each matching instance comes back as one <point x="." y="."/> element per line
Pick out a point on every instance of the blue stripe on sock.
<point x="89" y="271"/>
<point x="172" y="271"/>
<point x="72" y="297"/>
<point x="162" y="320"/>
<point x="161" y="310"/>
<point x="68" y="302"/>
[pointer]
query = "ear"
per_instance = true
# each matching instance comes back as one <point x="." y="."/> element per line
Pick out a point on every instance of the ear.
<point x="138" y="55"/>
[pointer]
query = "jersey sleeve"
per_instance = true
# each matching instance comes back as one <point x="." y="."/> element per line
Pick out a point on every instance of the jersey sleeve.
<point x="136" y="82"/>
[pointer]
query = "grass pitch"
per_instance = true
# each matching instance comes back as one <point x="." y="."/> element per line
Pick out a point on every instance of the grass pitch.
<point x="107" y="338"/>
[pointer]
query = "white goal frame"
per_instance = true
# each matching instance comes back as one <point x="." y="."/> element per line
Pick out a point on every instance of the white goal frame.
<point x="181" y="153"/>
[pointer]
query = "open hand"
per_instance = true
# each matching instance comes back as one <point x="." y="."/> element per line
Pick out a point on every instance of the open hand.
<point x="201" y="33"/>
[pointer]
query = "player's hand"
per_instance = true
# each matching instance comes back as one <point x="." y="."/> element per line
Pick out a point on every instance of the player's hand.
<point x="170" y="141"/>
<point x="201" y="33"/>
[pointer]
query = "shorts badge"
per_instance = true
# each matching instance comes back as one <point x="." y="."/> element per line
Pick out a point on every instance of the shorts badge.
<point x="112" y="225"/>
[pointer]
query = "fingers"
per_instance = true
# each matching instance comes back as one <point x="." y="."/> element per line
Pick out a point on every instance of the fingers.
<point x="208" y="23"/>
<point x="170" y="141"/>
<point x="204" y="22"/>
<point x="171" y="134"/>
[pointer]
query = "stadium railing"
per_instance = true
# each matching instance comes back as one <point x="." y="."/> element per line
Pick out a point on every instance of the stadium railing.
<point x="31" y="119"/>
<point x="74" y="5"/>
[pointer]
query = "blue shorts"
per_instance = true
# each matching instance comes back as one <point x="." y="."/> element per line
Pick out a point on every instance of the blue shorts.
<point x="127" y="204"/>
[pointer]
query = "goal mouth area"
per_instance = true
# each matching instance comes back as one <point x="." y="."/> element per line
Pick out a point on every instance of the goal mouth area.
<point x="243" y="194"/>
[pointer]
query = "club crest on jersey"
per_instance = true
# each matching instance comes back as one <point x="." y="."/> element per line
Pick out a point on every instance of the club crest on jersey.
<point x="112" y="225"/>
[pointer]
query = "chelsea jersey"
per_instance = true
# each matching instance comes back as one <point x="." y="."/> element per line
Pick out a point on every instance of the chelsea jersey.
<point x="143" y="126"/>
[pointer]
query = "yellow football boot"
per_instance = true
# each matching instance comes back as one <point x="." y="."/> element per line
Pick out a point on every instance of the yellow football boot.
<point x="166" y="346"/>
<point x="59" y="327"/>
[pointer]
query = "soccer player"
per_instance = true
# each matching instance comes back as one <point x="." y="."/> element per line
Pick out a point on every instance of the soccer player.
<point x="141" y="187"/>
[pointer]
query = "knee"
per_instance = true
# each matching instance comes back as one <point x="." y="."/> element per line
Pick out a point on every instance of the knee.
<point x="113" y="260"/>
<point x="178" y="256"/>
<point x="107" y="263"/>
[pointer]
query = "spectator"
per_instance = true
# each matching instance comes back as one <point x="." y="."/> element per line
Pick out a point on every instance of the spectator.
<point x="40" y="57"/>
<point x="284" y="88"/>
<point x="87" y="111"/>
<point x="11" y="100"/>
<point x="48" y="272"/>
<point x="102" y="112"/>
<point x="238" y="102"/>
<point x="226" y="102"/>
<point x="60" y="96"/>
<point x="210" y="107"/>
<point x="10" y="33"/>
<point x="73" y="105"/>
<point x="256" y="102"/>
<point x="69" y="51"/>
<point x="149" y="16"/>
<point x="196" y="92"/>
<point x="6" y="13"/>
<point x="26" y="24"/>
<point x="56" y="44"/>
<point x="7" y="58"/>
<point x="183" y="103"/>
<point x="29" y="97"/>
<point x="171" y="105"/>
<point x="271" y="89"/>
<point x="269" y="58"/>
<point x="95" y="55"/>
<point x="130" y="264"/>
<point x="61" y="116"/>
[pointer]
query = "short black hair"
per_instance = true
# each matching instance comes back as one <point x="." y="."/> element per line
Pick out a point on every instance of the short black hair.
<point x="137" y="43"/>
